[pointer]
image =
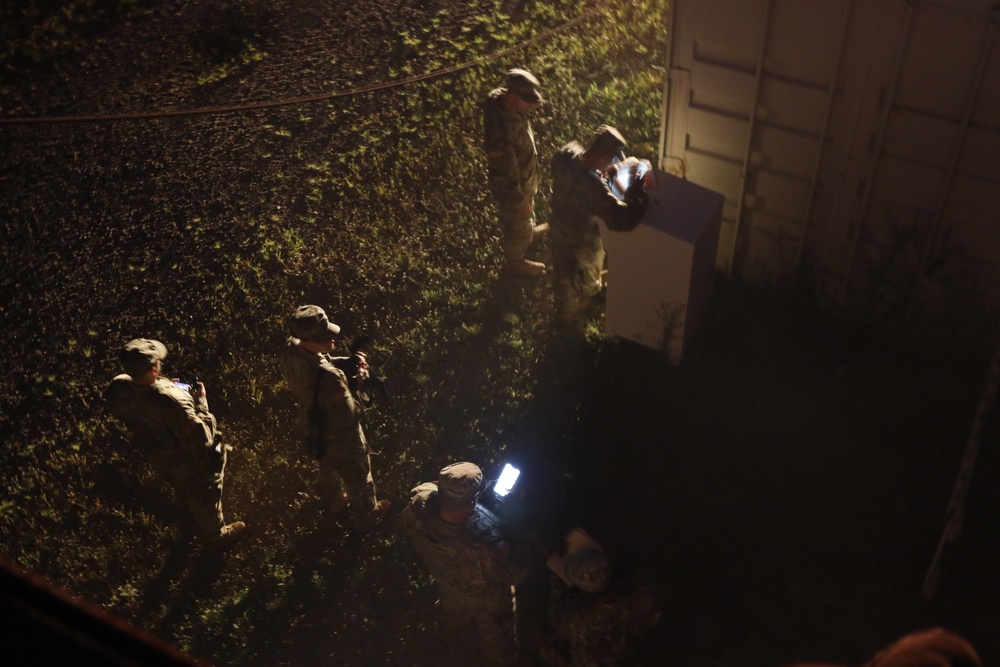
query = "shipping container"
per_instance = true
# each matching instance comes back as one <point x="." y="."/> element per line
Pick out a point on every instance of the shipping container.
<point x="857" y="143"/>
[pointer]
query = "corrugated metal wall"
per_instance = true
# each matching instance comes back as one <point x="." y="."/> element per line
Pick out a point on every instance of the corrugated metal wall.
<point x="857" y="143"/>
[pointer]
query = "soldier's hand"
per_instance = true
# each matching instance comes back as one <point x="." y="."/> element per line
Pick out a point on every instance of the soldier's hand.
<point x="635" y="189"/>
<point x="636" y="194"/>
<point x="198" y="392"/>
<point x="363" y="372"/>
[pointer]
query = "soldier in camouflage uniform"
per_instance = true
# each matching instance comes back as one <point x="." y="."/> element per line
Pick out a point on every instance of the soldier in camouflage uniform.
<point x="597" y="620"/>
<point x="581" y="198"/>
<point x="461" y="544"/>
<point x="176" y="432"/>
<point x="329" y="416"/>
<point x="513" y="166"/>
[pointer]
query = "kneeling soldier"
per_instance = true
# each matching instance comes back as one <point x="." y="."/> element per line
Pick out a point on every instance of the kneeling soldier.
<point x="173" y="427"/>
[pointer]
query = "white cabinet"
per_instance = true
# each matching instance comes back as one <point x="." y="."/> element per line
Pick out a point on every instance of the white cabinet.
<point x="660" y="274"/>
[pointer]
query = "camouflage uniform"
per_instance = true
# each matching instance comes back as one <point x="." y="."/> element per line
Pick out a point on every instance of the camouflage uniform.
<point x="513" y="171"/>
<point x="177" y="434"/>
<point x="581" y="198"/>
<point x="343" y="453"/>
<point x="598" y="630"/>
<point x="471" y="565"/>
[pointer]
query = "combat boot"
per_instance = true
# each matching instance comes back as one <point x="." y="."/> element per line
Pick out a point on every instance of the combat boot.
<point x="374" y="517"/>
<point x="229" y="535"/>
<point x="539" y="232"/>
<point x="524" y="267"/>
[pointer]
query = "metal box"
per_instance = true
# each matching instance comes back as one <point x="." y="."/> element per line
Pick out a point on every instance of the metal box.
<point x="660" y="274"/>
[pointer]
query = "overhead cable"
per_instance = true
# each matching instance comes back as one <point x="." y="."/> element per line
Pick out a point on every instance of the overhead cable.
<point x="169" y="113"/>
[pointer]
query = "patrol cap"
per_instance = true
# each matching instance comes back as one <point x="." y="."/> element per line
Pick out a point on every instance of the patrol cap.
<point x="459" y="484"/>
<point x="588" y="570"/>
<point x="524" y="84"/>
<point x="141" y="354"/>
<point x="607" y="138"/>
<point x="311" y="323"/>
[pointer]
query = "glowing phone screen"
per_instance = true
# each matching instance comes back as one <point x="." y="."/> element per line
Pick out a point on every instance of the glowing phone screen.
<point x="506" y="482"/>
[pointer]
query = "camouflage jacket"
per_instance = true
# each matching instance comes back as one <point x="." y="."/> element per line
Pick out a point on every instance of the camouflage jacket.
<point x="336" y="413"/>
<point x="470" y="560"/>
<point x="581" y="198"/>
<point x="603" y="629"/>
<point x="510" y="153"/>
<point x="166" y="422"/>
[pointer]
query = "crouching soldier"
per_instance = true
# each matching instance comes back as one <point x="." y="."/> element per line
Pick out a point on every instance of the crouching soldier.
<point x="597" y="618"/>
<point x="172" y="426"/>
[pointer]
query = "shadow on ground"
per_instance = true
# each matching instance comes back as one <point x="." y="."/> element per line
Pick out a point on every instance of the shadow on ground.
<point x="786" y="485"/>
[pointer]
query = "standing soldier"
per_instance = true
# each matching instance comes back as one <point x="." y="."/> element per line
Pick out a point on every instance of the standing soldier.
<point x="513" y="166"/>
<point x="329" y="416"/>
<point x="173" y="427"/>
<point x="460" y="543"/>
<point x="581" y="198"/>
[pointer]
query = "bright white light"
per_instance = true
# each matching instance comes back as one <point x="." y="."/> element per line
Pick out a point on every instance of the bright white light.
<point x="506" y="481"/>
<point x="624" y="179"/>
<point x="627" y="172"/>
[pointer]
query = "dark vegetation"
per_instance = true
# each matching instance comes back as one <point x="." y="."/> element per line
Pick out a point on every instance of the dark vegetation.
<point x="785" y="485"/>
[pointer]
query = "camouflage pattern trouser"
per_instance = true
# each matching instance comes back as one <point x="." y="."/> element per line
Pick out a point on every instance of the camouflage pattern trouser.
<point x="516" y="233"/>
<point x="198" y="485"/>
<point x="494" y="617"/>
<point x="346" y="466"/>
<point x="576" y="272"/>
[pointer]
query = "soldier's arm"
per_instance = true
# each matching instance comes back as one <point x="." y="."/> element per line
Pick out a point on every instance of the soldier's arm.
<point x="505" y="172"/>
<point x="618" y="215"/>
<point x="196" y="425"/>
<point x="114" y="395"/>
<point x="505" y="568"/>
<point x="505" y="175"/>
<point x="200" y="397"/>
<point x="335" y="399"/>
